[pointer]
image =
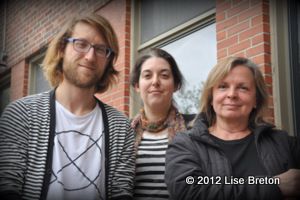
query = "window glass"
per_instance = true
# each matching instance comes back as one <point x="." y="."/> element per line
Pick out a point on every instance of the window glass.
<point x="196" y="55"/>
<point x="294" y="36"/>
<point x="41" y="84"/>
<point x="4" y="97"/>
<point x="159" y="16"/>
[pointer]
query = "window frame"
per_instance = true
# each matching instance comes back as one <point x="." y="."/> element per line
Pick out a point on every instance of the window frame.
<point x="172" y="34"/>
<point x="280" y="56"/>
<point x="32" y="72"/>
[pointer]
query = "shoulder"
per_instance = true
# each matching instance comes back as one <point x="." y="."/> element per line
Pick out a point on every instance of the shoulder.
<point x="113" y="112"/>
<point x="269" y="130"/>
<point x="114" y="116"/>
<point x="188" y="117"/>
<point x="31" y="102"/>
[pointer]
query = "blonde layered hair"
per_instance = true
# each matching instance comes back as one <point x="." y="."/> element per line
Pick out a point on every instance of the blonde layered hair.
<point x="52" y="63"/>
<point x="218" y="73"/>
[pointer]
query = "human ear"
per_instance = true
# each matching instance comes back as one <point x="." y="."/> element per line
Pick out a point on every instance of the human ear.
<point x="137" y="87"/>
<point x="176" y="88"/>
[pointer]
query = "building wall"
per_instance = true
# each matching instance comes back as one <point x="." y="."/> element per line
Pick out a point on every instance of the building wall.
<point x="243" y="29"/>
<point x="32" y="24"/>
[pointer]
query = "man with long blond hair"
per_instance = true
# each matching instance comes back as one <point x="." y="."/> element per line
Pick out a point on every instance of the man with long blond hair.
<point x="65" y="143"/>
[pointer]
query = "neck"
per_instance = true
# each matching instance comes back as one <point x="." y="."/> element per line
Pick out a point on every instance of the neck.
<point x="230" y="130"/>
<point x="155" y="115"/>
<point x="79" y="101"/>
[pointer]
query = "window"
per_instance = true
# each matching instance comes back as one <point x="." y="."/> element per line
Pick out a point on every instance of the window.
<point x="4" y="91"/>
<point x="186" y="29"/>
<point x="285" y="59"/>
<point x="294" y="41"/>
<point x="38" y="82"/>
<point x="195" y="54"/>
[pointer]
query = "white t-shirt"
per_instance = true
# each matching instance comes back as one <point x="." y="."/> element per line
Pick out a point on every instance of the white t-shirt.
<point x="78" y="156"/>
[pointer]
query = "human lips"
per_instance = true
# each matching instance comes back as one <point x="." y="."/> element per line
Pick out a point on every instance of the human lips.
<point x="86" y="67"/>
<point x="155" y="91"/>
<point x="230" y="105"/>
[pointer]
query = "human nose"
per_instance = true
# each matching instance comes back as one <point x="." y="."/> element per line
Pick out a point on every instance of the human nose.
<point x="90" y="55"/>
<point x="231" y="93"/>
<point x="155" y="80"/>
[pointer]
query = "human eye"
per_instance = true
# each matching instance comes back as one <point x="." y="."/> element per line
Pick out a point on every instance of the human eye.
<point x="146" y="75"/>
<point x="222" y="86"/>
<point x="100" y="50"/>
<point x="165" y="75"/>
<point x="244" y="88"/>
<point x="81" y="44"/>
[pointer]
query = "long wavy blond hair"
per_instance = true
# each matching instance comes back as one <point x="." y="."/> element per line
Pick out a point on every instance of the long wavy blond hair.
<point x="218" y="73"/>
<point x="52" y="63"/>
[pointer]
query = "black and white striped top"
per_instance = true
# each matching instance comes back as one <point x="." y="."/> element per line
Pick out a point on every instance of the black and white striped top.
<point x="150" y="168"/>
<point x="24" y="137"/>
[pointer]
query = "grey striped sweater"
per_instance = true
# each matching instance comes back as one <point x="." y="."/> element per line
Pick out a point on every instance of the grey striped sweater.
<point x="26" y="141"/>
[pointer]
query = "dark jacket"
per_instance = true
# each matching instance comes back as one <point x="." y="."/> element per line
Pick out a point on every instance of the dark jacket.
<point x="194" y="153"/>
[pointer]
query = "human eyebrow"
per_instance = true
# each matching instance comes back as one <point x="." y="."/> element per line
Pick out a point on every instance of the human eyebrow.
<point x="165" y="70"/>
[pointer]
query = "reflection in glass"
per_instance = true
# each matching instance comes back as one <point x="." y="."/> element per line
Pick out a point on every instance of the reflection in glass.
<point x="196" y="55"/>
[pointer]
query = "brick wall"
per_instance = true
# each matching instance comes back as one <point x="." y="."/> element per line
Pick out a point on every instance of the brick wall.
<point x="118" y="13"/>
<point x="243" y="29"/>
<point x="32" y="24"/>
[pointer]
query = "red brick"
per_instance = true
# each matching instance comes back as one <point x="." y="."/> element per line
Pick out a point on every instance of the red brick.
<point x="270" y="120"/>
<point x="221" y="35"/>
<point x="239" y="47"/>
<point x="250" y="13"/>
<point x="226" y="24"/>
<point x="262" y="48"/>
<point x="227" y="42"/>
<point x="222" y="7"/>
<point x="264" y="37"/>
<point x="271" y="112"/>
<point x="240" y="54"/>
<point x="238" y="9"/>
<point x="262" y="59"/>
<point x="235" y="2"/>
<point x="266" y="69"/>
<point x="262" y="18"/>
<point x="220" y="17"/>
<point x="254" y="31"/>
<point x="219" y="2"/>
<point x="222" y="54"/>
<point x="268" y="80"/>
<point x="271" y="101"/>
<point x="238" y="28"/>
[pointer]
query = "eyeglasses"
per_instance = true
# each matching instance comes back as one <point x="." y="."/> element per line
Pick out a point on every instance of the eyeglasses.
<point x="82" y="46"/>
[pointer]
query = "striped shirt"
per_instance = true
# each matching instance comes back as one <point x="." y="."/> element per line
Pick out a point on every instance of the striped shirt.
<point x="24" y="138"/>
<point x="150" y="168"/>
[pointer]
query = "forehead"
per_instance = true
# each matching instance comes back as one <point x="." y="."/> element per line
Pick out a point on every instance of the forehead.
<point x="155" y="64"/>
<point x="88" y="32"/>
<point x="240" y="73"/>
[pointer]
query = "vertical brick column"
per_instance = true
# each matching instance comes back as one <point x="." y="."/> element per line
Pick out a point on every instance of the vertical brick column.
<point x="243" y="29"/>
<point x="19" y="81"/>
<point x="118" y="13"/>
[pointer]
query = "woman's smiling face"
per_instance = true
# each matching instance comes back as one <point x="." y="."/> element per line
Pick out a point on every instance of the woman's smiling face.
<point x="156" y="83"/>
<point x="235" y="96"/>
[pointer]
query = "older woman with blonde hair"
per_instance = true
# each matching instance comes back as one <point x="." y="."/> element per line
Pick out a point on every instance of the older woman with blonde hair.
<point x="231" y="152"/>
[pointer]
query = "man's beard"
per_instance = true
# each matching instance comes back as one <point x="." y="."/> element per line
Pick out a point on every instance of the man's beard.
<point x="86" y="80"/>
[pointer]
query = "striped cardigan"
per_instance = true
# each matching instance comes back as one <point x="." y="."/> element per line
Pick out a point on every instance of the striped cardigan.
<point x="26" y="145"/>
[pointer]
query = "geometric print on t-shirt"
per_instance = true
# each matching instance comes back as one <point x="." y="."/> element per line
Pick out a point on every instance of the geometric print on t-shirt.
<point x="72" y="161"/>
